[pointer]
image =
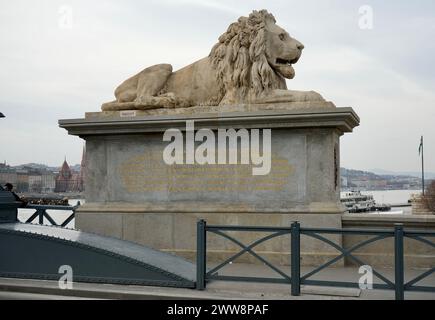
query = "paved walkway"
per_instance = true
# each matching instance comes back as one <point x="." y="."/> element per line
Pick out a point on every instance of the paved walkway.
<point x="39" y="289"/>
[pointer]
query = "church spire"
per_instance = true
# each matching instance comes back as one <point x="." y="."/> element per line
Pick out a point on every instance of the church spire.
<point x="65" y="170"/>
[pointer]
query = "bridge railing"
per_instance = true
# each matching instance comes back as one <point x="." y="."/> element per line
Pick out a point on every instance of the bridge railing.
<point x="296" y="279"/>
<point x="42" y="214"/>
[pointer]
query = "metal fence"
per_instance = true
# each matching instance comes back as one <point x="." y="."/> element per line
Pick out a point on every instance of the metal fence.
<point x="296" y="279"/>
<point x="42" y="214"/>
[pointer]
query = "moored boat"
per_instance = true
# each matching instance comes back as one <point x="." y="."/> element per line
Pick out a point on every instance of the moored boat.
<point x="356" y="202"/>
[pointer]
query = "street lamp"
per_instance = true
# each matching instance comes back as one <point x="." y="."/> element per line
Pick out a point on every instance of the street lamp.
<point x="2" y="115"/>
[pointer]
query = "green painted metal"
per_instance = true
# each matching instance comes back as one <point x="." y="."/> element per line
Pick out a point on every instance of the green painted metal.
<point x="41" y="213"/>
<point x="201" y="255"/>
<point x="398" y="262"/>
<point x="295" y="231"/>
<point x="38" y="251"/>
<point x="346" y="253"/>
<point x="248" y="249"/>
<point x="296" y="259"/>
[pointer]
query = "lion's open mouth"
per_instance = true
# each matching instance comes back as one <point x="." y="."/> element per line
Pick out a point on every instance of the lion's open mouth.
<point x="284" y="67"/>
<point x="286" y="62"/>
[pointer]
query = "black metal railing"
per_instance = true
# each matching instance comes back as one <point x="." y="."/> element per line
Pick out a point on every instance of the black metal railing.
<point x="42" y="214"/>
<point x="296" y="279"/>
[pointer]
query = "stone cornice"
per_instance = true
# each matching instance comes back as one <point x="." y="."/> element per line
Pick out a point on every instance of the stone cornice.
<point x="343" y="119"/>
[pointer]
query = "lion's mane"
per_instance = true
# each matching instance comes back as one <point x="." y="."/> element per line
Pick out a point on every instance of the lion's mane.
<point x="240" y="56"/>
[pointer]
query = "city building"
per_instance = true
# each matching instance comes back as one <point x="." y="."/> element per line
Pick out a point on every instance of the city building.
<point x="35" y="183"/>
<point x="48" y="180"/>
<point x="68" y="180"/>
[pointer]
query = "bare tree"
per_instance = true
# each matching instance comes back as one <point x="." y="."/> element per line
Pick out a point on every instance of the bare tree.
<point x="429" y="197"/>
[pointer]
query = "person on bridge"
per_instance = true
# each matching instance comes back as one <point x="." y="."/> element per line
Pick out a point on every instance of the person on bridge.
<point x="9" y="187"/>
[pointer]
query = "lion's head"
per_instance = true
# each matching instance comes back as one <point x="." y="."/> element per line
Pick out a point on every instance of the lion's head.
<point x="255" y="53"/>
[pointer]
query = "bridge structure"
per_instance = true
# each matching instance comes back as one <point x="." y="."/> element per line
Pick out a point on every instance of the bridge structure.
<point x="36" y="251"/>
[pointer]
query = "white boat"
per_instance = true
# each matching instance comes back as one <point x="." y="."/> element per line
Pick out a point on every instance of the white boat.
<point x="357" y="202"/>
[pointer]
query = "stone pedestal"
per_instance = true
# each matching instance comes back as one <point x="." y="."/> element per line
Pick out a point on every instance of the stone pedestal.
<point x="132" y="194"/>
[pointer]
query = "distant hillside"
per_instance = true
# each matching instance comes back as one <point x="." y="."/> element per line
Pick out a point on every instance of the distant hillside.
<point x="382" y="174"/>
<point x="366" y="180"/>
<point x="356" y="173"/>
<point x="39" y="166"/>
<point x="386" y="173"/>
<point x="428" y="175"/>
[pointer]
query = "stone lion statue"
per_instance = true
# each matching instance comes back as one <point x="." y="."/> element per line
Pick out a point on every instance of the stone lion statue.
<point x="248" y="65"/>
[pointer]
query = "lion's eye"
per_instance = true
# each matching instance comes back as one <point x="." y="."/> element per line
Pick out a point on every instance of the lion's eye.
<point x="282" y="36"/>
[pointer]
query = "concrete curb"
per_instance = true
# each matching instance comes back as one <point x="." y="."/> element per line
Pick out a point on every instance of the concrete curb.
<point x="105" y="291"/>
<point x="125" y="292"/>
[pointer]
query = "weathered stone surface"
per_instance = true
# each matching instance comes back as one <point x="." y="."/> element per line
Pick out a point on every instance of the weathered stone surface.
<point x="303" y="177"/>
<point x="136" y="121"/>
<point x="159" y="205"/>
<point x="248" y="65"/>
<point x="102" y="223"/>
<point x="129" y="111"/>
<point x="175" y="232"/>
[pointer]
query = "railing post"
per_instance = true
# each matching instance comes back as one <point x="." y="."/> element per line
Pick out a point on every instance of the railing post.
<point x="295" y="259"/>
<point x="41" y="216"/>
<point x="200" y="254"/>
<point x="399" y="261"/>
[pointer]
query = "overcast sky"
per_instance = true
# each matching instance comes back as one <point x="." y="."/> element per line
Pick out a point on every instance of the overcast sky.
<point x="50" y="69"/>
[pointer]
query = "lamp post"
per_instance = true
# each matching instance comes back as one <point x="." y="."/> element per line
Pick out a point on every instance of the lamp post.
<point x="1" y="116"/>
<point x="421" y="152"/>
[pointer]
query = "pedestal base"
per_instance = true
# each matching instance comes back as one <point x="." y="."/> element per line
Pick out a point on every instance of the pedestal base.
<point x="175" y="232"/>
<point x="133" y="193"/>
